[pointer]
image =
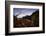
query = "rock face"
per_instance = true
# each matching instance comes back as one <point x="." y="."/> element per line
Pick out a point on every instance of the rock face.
<point x="27" y="21"/>
<point x="35" y="18"/>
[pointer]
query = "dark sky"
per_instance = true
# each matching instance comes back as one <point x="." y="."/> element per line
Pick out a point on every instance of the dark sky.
<point x="23" y="11"/>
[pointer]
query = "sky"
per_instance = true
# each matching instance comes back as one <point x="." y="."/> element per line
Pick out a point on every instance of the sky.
<point x="23" y="12"/>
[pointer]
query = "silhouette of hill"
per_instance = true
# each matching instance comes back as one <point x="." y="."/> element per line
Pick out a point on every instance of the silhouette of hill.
<point x="27" y="17"/>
